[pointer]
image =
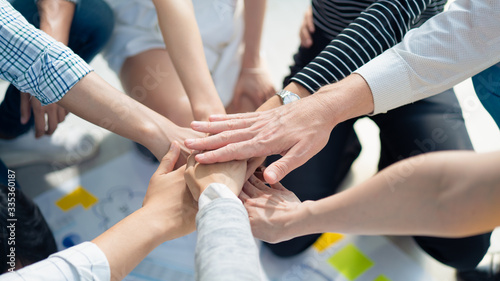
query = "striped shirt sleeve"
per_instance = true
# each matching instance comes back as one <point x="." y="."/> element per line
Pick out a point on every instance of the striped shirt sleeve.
<point x="444" y="51"/>
<point x="84" y="262"/>
<point x="381" y="26"/>
<point x="33" y="61"/>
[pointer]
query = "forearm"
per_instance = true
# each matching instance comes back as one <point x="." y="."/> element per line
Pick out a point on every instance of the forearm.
<point x="429" y="60"/>
<point x="452" y="194"/>
<point x="381" y="26"/>
<point x="56" y="17"/>
<point x="183" y="41"/>
<point x="223" y="228"/>
<point x="254" y="21"/>
<point x="124" y="253"/>
<point x="94" y="100"/>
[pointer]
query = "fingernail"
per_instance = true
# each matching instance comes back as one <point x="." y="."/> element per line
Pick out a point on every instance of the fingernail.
<point x="196" y="123"/>
<point x="272" y="176"/>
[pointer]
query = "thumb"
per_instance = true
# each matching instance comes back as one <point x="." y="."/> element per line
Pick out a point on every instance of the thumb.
<point x="279" y="169"/>
<point x="168" y="162"/>
<point x="25" y="108"/>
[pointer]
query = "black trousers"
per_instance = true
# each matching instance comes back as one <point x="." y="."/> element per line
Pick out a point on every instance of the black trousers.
<point x="433" y="124"/>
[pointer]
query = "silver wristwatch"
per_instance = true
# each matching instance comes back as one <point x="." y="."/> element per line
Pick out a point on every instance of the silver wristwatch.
<point x="287" y="96"/>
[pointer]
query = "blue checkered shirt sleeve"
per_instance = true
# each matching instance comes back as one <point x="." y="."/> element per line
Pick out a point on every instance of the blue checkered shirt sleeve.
<point x="33" y="61"/>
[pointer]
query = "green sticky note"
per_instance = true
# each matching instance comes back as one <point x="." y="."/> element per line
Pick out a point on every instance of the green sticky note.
<point x="382" y="278"/>
<point x="351" y="262"/>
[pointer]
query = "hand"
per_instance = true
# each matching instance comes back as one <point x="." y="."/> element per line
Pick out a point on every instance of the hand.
<point x="297" y="131"/>
<point x="169" y="199"/>
<point x="179" y="135"/>
<point x="307" y="29"/>
<point x="270" y="209"/>
<point x="55" y="115"/>
<point x="254" y="85"/>
<point x="199" y="176"/>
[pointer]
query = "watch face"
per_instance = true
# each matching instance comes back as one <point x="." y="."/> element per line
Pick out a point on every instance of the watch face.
<point x="290" y="98"/>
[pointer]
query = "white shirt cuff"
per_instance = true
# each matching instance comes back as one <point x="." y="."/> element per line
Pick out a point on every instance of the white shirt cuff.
<point x="214" y="191"/>
<point x="388" y="78"/>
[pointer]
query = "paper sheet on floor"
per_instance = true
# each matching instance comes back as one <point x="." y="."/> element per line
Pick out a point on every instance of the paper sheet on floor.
<point x="85" y="206"/>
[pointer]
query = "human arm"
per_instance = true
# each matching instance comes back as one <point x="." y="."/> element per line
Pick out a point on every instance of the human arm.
<point x="225" y="248"/>
<point x="376" y="29"/>
<point x="297" y="130"/>
<point x="48" y="70"/>
<point x="183" y="41"/>
<point x="445" y="50"/>
<point x="55" y="20"/>
<point x="253" y="82"/>
<point x="168" y="212"/>
<point x="449" y="194"/>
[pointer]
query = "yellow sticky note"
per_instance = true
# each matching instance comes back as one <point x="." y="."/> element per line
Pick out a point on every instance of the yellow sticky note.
<point x="350" y="262"/>
<point x="326" y="240"/>
<point x="382" y="278"/>
<point x="79" y="196"/>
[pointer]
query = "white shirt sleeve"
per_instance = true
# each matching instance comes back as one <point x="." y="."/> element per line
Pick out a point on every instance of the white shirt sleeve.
<point x="79" y="263"/>
<point x="214" y="191"/>
<point x="444" y="51"/>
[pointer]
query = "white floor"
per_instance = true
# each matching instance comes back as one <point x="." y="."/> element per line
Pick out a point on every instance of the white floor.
<point x="280" y="42"/>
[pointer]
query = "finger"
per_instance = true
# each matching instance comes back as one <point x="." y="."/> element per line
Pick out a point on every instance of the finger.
<point x="221" y="126"/>
<point x="305" y="37"/>
<point x="278" y="186"/>
<point x="61" y="114"/>
<point x="251" y="190"/>
<point x="168" y="161"/>
<point x="310" y="23"/>
<point x="225" y="117"/>
<point x="233" y="151"/>
<point x="279" y="169"/>
<point x="253" y="164"/>
<point x="220" y="140"/>
<point x="258" y="183"/>
<point x="52" y="120"/>
<point x="39" y="116"/>
<point x="243" y="197"/>
<point x="25" y="108"/>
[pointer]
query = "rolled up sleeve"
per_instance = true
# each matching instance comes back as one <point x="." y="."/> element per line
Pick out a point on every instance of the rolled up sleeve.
<point x="33" y="61"/>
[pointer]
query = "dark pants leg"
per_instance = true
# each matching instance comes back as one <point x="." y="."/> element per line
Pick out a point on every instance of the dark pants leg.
<point x="90" y="31"/>
<point x="433" y="124"/>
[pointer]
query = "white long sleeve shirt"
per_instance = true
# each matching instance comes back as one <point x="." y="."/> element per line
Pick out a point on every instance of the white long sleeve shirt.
<point x="444" y="51"/>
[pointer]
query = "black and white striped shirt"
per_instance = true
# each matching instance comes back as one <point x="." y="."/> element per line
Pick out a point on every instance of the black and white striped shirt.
<point x="360" y="30"/>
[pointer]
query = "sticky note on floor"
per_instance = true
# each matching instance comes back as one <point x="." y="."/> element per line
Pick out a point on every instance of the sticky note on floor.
<point x="326" y="240"/>
<point x="350" y="262"/>
<point x="382" y="278"/>
<point x="79" y="196"/>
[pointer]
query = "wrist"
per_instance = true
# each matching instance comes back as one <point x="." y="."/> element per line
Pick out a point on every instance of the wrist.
<point x="346" y="99"/>
<point x="251" y="59"/>
<point x="299" y="221"/>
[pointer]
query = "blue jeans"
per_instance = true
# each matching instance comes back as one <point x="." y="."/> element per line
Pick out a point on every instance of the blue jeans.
<point x="91" y="29"/>
<point x="487" y="87"/>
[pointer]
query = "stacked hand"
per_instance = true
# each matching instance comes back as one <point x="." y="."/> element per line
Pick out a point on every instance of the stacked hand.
<point x="271" y="210"/>
<point x="169" y="198"/>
